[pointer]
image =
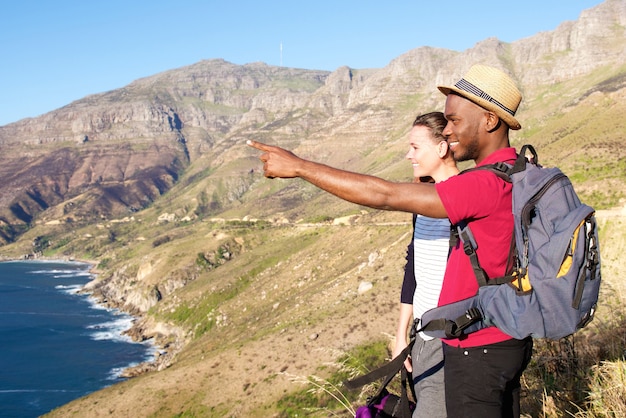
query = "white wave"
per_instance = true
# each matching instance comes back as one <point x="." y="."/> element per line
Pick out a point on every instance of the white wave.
<point x="112" y="330"/>
<point x="75" y="290"/>
<point x="64" y="273"/>
<point x="116" y="372"/>
<point x="72" y="274"/>
<point x="96" y="305"/>
<point x="70" y="289"/>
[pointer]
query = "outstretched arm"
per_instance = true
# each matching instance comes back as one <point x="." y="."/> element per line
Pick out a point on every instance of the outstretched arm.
<point x="357" y="188"/>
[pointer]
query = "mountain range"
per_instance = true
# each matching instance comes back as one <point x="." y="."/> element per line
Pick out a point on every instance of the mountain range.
<point x="116" y="153"/>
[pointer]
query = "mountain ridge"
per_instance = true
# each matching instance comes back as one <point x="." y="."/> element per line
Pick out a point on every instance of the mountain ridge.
<point x="209" y="106"/>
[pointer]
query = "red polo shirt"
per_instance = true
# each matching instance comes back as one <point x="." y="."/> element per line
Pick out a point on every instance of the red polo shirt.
<point x="485" y="202"/>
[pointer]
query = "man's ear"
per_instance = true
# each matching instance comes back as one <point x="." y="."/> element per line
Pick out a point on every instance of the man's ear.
<point x="493" y="122"/>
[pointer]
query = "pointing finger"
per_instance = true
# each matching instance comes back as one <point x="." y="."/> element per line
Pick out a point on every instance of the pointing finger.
<point x="257" y="145"/>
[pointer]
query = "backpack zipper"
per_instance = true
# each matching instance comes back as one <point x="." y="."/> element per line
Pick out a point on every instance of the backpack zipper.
<point x="527" y="209"/>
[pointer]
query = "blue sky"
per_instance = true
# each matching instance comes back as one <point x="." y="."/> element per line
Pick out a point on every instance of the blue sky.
<point x="55" y="52"/>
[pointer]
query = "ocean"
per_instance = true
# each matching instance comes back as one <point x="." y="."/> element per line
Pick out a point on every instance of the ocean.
<point x="57" y="345"/>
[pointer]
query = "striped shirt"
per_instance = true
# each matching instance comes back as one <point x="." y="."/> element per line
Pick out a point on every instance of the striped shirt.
<point x="431" y="242"/>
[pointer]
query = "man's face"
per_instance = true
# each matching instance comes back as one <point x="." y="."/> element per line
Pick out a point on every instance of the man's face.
<point x="462" y="131"/>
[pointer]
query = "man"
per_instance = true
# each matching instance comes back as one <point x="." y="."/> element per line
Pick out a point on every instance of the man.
<point x="483" y="370"/>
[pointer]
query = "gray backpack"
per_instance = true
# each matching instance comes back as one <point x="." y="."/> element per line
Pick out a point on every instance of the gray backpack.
<point x="552" y="285"/>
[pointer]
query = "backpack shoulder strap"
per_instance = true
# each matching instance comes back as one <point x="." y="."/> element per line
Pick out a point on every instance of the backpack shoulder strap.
<point x="500" y="169"/>
<point x="462" y="229"/>
<point x="469" y="247"/>
<point x="388" y="370"/>
<point x="526" y="154"/>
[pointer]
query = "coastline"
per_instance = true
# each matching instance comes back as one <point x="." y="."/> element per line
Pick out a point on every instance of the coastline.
<point x="58" y="344"/>
<point x="141" y="330"/>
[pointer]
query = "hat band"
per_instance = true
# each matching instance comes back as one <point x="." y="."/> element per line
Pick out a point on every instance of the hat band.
<point x="463" y="84"/>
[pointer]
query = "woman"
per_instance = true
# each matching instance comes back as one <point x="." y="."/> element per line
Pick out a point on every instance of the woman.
<point x="426" y="262"/>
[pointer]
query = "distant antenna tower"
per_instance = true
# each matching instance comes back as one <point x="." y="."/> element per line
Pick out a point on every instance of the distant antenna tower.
<point x="281" y="53"/>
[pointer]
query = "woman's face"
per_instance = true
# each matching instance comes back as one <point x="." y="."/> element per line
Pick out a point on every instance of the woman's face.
<point x="424" y="152"/>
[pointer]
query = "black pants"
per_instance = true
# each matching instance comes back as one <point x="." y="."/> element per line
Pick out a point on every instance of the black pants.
<point x="484" y="382"/>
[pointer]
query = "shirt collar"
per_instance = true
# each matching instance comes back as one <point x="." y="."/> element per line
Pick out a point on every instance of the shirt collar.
<point x="506" y="155"/>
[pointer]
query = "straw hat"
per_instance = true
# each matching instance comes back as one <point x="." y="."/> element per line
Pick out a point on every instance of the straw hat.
<point x="491" y="89"/>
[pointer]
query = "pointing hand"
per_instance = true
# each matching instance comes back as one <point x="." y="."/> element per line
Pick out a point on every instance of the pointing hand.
<point x="277" y="162"/>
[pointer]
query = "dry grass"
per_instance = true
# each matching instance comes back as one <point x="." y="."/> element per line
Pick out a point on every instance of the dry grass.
<point x="607" y="397"/>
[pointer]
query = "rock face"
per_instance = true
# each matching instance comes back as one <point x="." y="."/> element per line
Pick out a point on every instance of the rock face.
<point x="115" y="153"/>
